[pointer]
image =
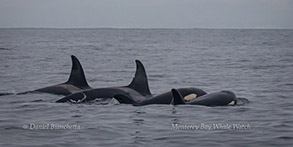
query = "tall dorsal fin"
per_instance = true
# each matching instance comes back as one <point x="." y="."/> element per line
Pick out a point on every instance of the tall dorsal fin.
<point x="77" y="76"/>
<point x="177" y="97"/>
<point x="140" y="80"/>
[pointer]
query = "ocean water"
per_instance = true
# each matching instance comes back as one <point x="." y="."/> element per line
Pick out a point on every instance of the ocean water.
<point x="255" y="64"/>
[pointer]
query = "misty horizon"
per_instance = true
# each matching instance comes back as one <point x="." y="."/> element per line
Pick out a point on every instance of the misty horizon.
<point x="185" y="14"/>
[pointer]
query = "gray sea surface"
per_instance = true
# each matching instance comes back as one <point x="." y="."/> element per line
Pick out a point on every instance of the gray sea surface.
<point x="254" y="64"/>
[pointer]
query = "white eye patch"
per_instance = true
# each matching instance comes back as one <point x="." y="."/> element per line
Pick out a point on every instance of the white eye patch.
<point x="231" y="103"/>
<point x="190" y="97"/>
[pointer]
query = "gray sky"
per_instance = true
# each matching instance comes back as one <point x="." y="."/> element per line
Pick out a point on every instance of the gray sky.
<point x="147" y="13"/>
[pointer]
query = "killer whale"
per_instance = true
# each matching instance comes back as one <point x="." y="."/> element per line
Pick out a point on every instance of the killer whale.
<point x="164" y="98"/>
<point x="75" y="83"/>
<point x="138" y="88"/>
<point x="221" y="98"/>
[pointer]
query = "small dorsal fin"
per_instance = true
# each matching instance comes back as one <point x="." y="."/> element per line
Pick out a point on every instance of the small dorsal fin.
<point x="140" y="80"/>
<point x="124" y="99"/>
<point x="177" y="97"/>
<point x="77" y="76"/>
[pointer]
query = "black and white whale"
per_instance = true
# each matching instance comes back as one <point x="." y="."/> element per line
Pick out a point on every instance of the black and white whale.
<point x="138" y="89"/>
<point x="221" y="98"/>
<point x="75" y="83"/>
<point x="164" y="98"/>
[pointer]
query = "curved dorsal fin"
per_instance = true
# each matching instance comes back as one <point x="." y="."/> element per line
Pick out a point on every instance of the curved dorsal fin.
<point x="140" y="80"/>
<point x="124" y="99"/>
<point x="177" y="97"/>
<point x="77" y="76"/>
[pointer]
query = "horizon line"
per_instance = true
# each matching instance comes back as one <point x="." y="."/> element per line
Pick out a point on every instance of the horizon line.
<point x="178" y="28"/>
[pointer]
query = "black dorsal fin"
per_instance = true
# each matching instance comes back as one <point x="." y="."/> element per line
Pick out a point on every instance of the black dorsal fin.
<point x="140" y="80"/>
<point x="177" y="97"/>
<point x="77" y="76"/>
<point x="124" y="99"/>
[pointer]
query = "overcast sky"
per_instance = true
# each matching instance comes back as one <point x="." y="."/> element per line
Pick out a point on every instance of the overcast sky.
<point x="147" y="13"/>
